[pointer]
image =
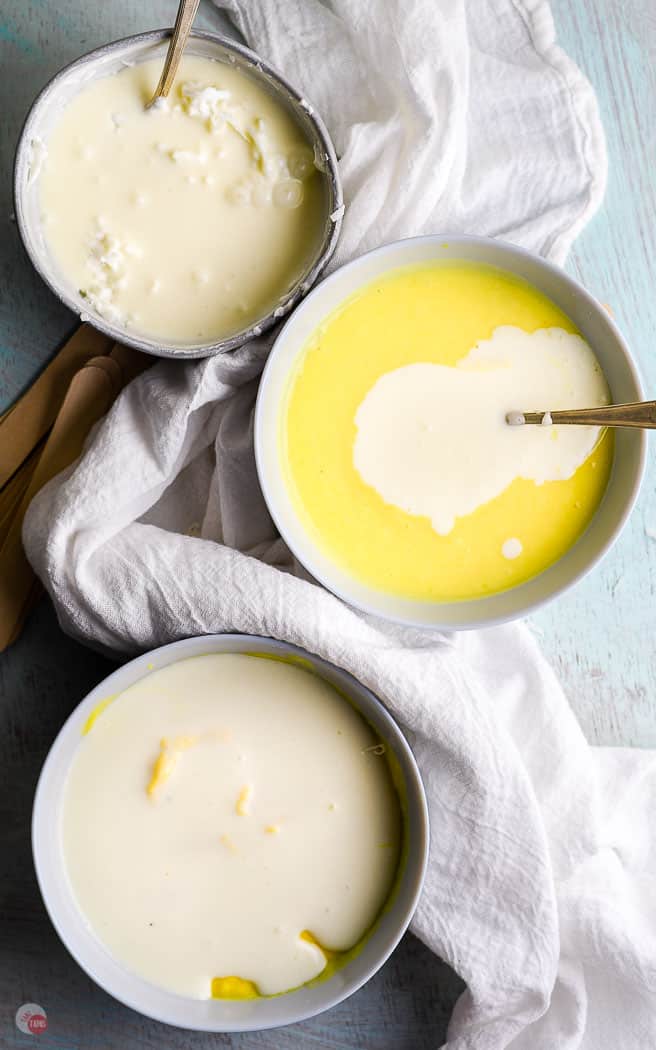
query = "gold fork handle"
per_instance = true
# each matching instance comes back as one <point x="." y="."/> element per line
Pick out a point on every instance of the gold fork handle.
<point x="642" y="414"/>
<point x="183" y="23"/>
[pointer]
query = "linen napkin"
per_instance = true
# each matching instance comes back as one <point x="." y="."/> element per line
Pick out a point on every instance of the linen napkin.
<point x="447" y="117"/>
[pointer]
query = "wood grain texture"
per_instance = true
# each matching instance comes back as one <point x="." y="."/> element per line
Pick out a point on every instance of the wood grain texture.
<point x="599" y="637"/>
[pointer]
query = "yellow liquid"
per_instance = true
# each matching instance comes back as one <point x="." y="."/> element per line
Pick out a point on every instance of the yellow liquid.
<point x="434" y="313"/>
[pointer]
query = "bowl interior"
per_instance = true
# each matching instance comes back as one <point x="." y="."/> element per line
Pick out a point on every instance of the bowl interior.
<point x="222" y="1015"/>
<point x="596" y="327"/>
<point x="111" y="59"/>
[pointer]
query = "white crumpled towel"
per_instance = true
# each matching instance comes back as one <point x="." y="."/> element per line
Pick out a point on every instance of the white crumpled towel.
<point x="447" y="117"/>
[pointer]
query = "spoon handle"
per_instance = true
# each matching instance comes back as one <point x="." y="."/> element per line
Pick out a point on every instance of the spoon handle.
<point x="183" y="23"/>
<point x="642" y="414"/>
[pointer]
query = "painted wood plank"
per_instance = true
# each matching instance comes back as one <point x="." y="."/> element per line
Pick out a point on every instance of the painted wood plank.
<point x="600" y="636"/>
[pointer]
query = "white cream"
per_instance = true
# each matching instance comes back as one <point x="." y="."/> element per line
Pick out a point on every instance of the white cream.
<point x="434" y="441"/>
<point x="219" y="808"/>
<point x="512" y="548"/>
<point x="217" y="179"/>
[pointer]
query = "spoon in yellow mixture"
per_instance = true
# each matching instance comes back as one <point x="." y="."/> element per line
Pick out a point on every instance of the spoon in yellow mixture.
<point x="183" y="23"/>
<point x="642" y="414"/>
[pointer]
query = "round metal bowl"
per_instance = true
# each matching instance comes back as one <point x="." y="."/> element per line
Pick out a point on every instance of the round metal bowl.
<point x="223" y="1015"/>
<point x="102" y="63"/>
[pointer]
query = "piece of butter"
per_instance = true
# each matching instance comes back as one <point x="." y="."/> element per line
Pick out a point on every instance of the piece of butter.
<point x="167" y="760"/>
<point x="234" y="988"/>
<point x="242" y="806"/>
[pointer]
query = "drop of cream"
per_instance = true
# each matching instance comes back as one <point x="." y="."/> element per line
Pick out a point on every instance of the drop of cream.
<point x="512" y="548"/>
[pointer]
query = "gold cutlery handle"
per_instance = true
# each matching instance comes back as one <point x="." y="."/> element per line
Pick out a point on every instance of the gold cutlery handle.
<point x="642" y="414"/>
<point x="183" y="23"/>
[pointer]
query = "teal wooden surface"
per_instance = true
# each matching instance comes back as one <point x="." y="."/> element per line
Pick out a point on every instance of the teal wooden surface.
<point x="598" y="636"/>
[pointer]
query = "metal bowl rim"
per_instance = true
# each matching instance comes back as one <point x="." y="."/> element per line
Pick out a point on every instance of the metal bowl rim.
<point x="124" y="335"/>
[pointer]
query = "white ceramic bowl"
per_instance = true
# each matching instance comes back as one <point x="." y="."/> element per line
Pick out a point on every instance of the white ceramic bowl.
<point x="597" y="328"/>
<point x="110" y="59"/>
<point x="216" y="1015"/>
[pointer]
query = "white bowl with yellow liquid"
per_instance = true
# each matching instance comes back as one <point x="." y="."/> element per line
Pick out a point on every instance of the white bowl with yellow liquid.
<point x="304" y="538"/>
<point x="222" y="1014"/>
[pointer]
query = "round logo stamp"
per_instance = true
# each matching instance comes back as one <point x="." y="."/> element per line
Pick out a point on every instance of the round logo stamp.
<point x="31" y="1019"/>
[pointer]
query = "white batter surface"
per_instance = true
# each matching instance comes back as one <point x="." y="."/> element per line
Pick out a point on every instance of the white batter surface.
<point x="186" y="221"/>
<point x="433" y="440"/>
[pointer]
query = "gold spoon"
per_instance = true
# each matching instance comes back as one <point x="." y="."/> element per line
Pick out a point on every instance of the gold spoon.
<point x="181" y="30"/>
<point x="642" y="414"/>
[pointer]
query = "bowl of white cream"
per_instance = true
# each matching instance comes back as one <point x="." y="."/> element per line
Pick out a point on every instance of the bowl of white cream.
<point x="230" y="834"/>
<point x="382" y="445"/>
<point x="186" y="228"/>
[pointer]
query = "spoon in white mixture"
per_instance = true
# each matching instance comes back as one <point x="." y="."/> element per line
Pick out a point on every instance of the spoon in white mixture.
<point x="642" y="414"/>
<point x="183" y="23"/>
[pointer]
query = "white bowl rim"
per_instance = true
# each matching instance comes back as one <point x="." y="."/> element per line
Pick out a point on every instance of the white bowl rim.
<point x="182" y="649"/>
<point x="153" y="346"/>
<point x="474" y="622"/>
